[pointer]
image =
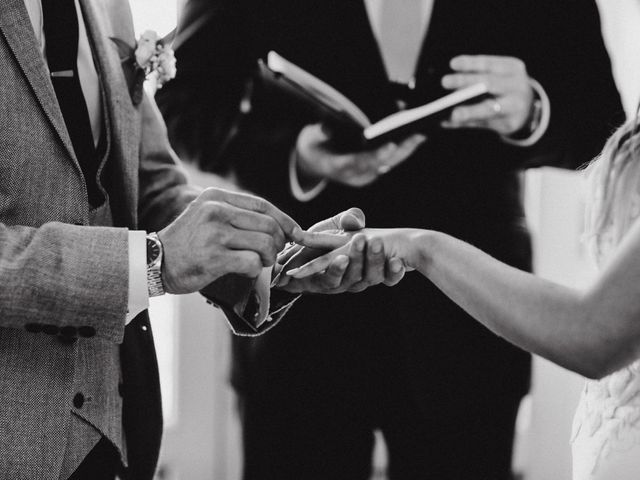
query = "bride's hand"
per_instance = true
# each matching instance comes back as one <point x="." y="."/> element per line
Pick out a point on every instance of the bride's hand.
<point x="398" y="243"/>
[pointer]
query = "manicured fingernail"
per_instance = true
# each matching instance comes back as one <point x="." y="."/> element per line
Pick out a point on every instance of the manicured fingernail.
<point x="360" y="245"/>
<point x="396" y="267"/>
<point x="342" y="261"/>
<point x="376" y="247"/>
<point x="293" y="271"/>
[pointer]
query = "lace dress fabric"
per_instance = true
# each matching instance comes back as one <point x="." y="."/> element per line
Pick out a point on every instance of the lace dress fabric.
<point x="606" y="428"/>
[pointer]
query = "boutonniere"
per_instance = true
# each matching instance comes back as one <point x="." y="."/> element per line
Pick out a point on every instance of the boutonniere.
<point x="152" y="57"/>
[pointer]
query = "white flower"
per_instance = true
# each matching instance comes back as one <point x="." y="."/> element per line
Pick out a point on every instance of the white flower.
<point x="166" y="65"/>
<point x="146" y="49"/>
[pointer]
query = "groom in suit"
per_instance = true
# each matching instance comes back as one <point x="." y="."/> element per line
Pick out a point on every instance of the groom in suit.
<point x="85" y="172"/>
<point x="443" y="391"/>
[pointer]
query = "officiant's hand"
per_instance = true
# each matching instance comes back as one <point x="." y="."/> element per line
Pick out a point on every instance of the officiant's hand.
<point x="358" y="267"/>
<point x="316" y="160"/>
<point x="510" y="106"/>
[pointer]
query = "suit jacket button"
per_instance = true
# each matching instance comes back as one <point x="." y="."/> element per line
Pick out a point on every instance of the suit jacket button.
<point x="33" y="327"/>
<point x="78" y="400"/>
<point x="69" y="331"/>
<point x="50" y="329"/>
<point x="86" y="332"/>
<point x="66" y="340"/>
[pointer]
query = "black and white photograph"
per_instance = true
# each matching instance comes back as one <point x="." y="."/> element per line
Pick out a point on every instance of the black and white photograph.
<point x="319" y="240"/>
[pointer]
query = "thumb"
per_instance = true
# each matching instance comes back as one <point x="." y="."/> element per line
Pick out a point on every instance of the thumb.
<point x="349" y="220"/>
<point x="352" y="219"/>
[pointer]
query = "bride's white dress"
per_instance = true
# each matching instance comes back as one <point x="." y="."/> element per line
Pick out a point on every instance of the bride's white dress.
<point x="606" y="428"/>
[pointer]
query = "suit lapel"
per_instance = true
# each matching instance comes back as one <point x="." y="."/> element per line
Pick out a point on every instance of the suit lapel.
<point x="123" y="118"/>
<point x="17" y="29"/>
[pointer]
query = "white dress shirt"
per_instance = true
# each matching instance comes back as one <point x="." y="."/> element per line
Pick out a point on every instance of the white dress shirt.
<point x="90" y="84"/>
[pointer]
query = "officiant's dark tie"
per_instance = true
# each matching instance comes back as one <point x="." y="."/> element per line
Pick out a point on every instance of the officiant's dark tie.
<point x="60" y="23"/>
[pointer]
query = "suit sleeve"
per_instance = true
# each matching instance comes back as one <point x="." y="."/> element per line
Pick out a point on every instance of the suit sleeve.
<point x="62" y="276"/>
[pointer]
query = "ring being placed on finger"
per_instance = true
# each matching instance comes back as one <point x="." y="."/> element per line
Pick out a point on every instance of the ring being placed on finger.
<point x="495" y="105"/>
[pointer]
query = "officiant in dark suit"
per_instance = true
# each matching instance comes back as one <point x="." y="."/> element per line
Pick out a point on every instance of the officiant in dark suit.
<point x="444" y="392"/>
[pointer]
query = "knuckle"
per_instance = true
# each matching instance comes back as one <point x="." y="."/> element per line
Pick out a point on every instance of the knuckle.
<point x="254" y="264"/>
<point x="260" y="204"/>
<point x="215" y="209"/>
<point x="209" y="194"/>
<point x="222" y="236"/>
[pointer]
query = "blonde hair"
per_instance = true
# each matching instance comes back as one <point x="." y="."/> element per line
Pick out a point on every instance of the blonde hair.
<point x="614" y="186"/>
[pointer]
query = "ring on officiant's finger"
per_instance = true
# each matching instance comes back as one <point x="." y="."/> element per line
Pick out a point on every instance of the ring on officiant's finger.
<point x="382" y="169"/>
<point x="495" y="105"/>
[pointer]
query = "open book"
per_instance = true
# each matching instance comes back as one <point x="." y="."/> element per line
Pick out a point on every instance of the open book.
<point x="347" y="122"/>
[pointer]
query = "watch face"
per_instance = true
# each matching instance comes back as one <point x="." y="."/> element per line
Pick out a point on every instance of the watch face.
<point x="153" y="251"/>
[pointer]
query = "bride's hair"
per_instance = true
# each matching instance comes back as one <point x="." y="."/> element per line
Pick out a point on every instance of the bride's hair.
<point x="614" y="186"/>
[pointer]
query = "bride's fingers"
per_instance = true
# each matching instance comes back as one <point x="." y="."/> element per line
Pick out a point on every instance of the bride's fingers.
<point x="332" y="278"/>
<point x="355" y="270"/>
<point x="323" y="240"/>
<point x="286" y="255"/>
<point x="394" y="271"/>
<point x="315" y="266"/>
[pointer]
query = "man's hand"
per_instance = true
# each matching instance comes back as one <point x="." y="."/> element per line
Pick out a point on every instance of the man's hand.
<point x="317" y="160"/>
<point x="223" y="232"/>
<point x="510" y="106"/>
<point x="361" y="265"/>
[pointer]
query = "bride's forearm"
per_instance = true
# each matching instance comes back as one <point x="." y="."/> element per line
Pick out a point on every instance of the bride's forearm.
<point x="540" y="316"/>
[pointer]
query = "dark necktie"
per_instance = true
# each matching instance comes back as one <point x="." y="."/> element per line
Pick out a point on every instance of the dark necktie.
<point x="61" y="36"/>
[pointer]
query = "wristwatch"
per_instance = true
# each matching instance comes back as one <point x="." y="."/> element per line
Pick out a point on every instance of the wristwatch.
<point x="154" y="265"/>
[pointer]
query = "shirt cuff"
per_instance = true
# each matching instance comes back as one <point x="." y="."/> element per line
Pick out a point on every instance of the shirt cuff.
<point x="298" y="192"/>
<point x="545" y="115"/>
<point x="138" y="290"/>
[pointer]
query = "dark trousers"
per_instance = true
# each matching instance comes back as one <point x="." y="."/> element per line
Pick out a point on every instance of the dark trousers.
<point x="310" y="437"/>
<point x="443" y="391"/>
<point x="102" y="463"/>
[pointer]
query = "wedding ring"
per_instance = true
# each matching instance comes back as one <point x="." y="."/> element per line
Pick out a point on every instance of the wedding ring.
<point x="495" y="105"/>
<point x="382" y="169"/>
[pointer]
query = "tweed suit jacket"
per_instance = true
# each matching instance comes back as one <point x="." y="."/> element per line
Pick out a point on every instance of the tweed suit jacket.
<point x="57" y="274"/>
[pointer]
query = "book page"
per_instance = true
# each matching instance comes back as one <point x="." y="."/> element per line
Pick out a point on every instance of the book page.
<point x="316" y="87"/>
<point x="406" y="117"/>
